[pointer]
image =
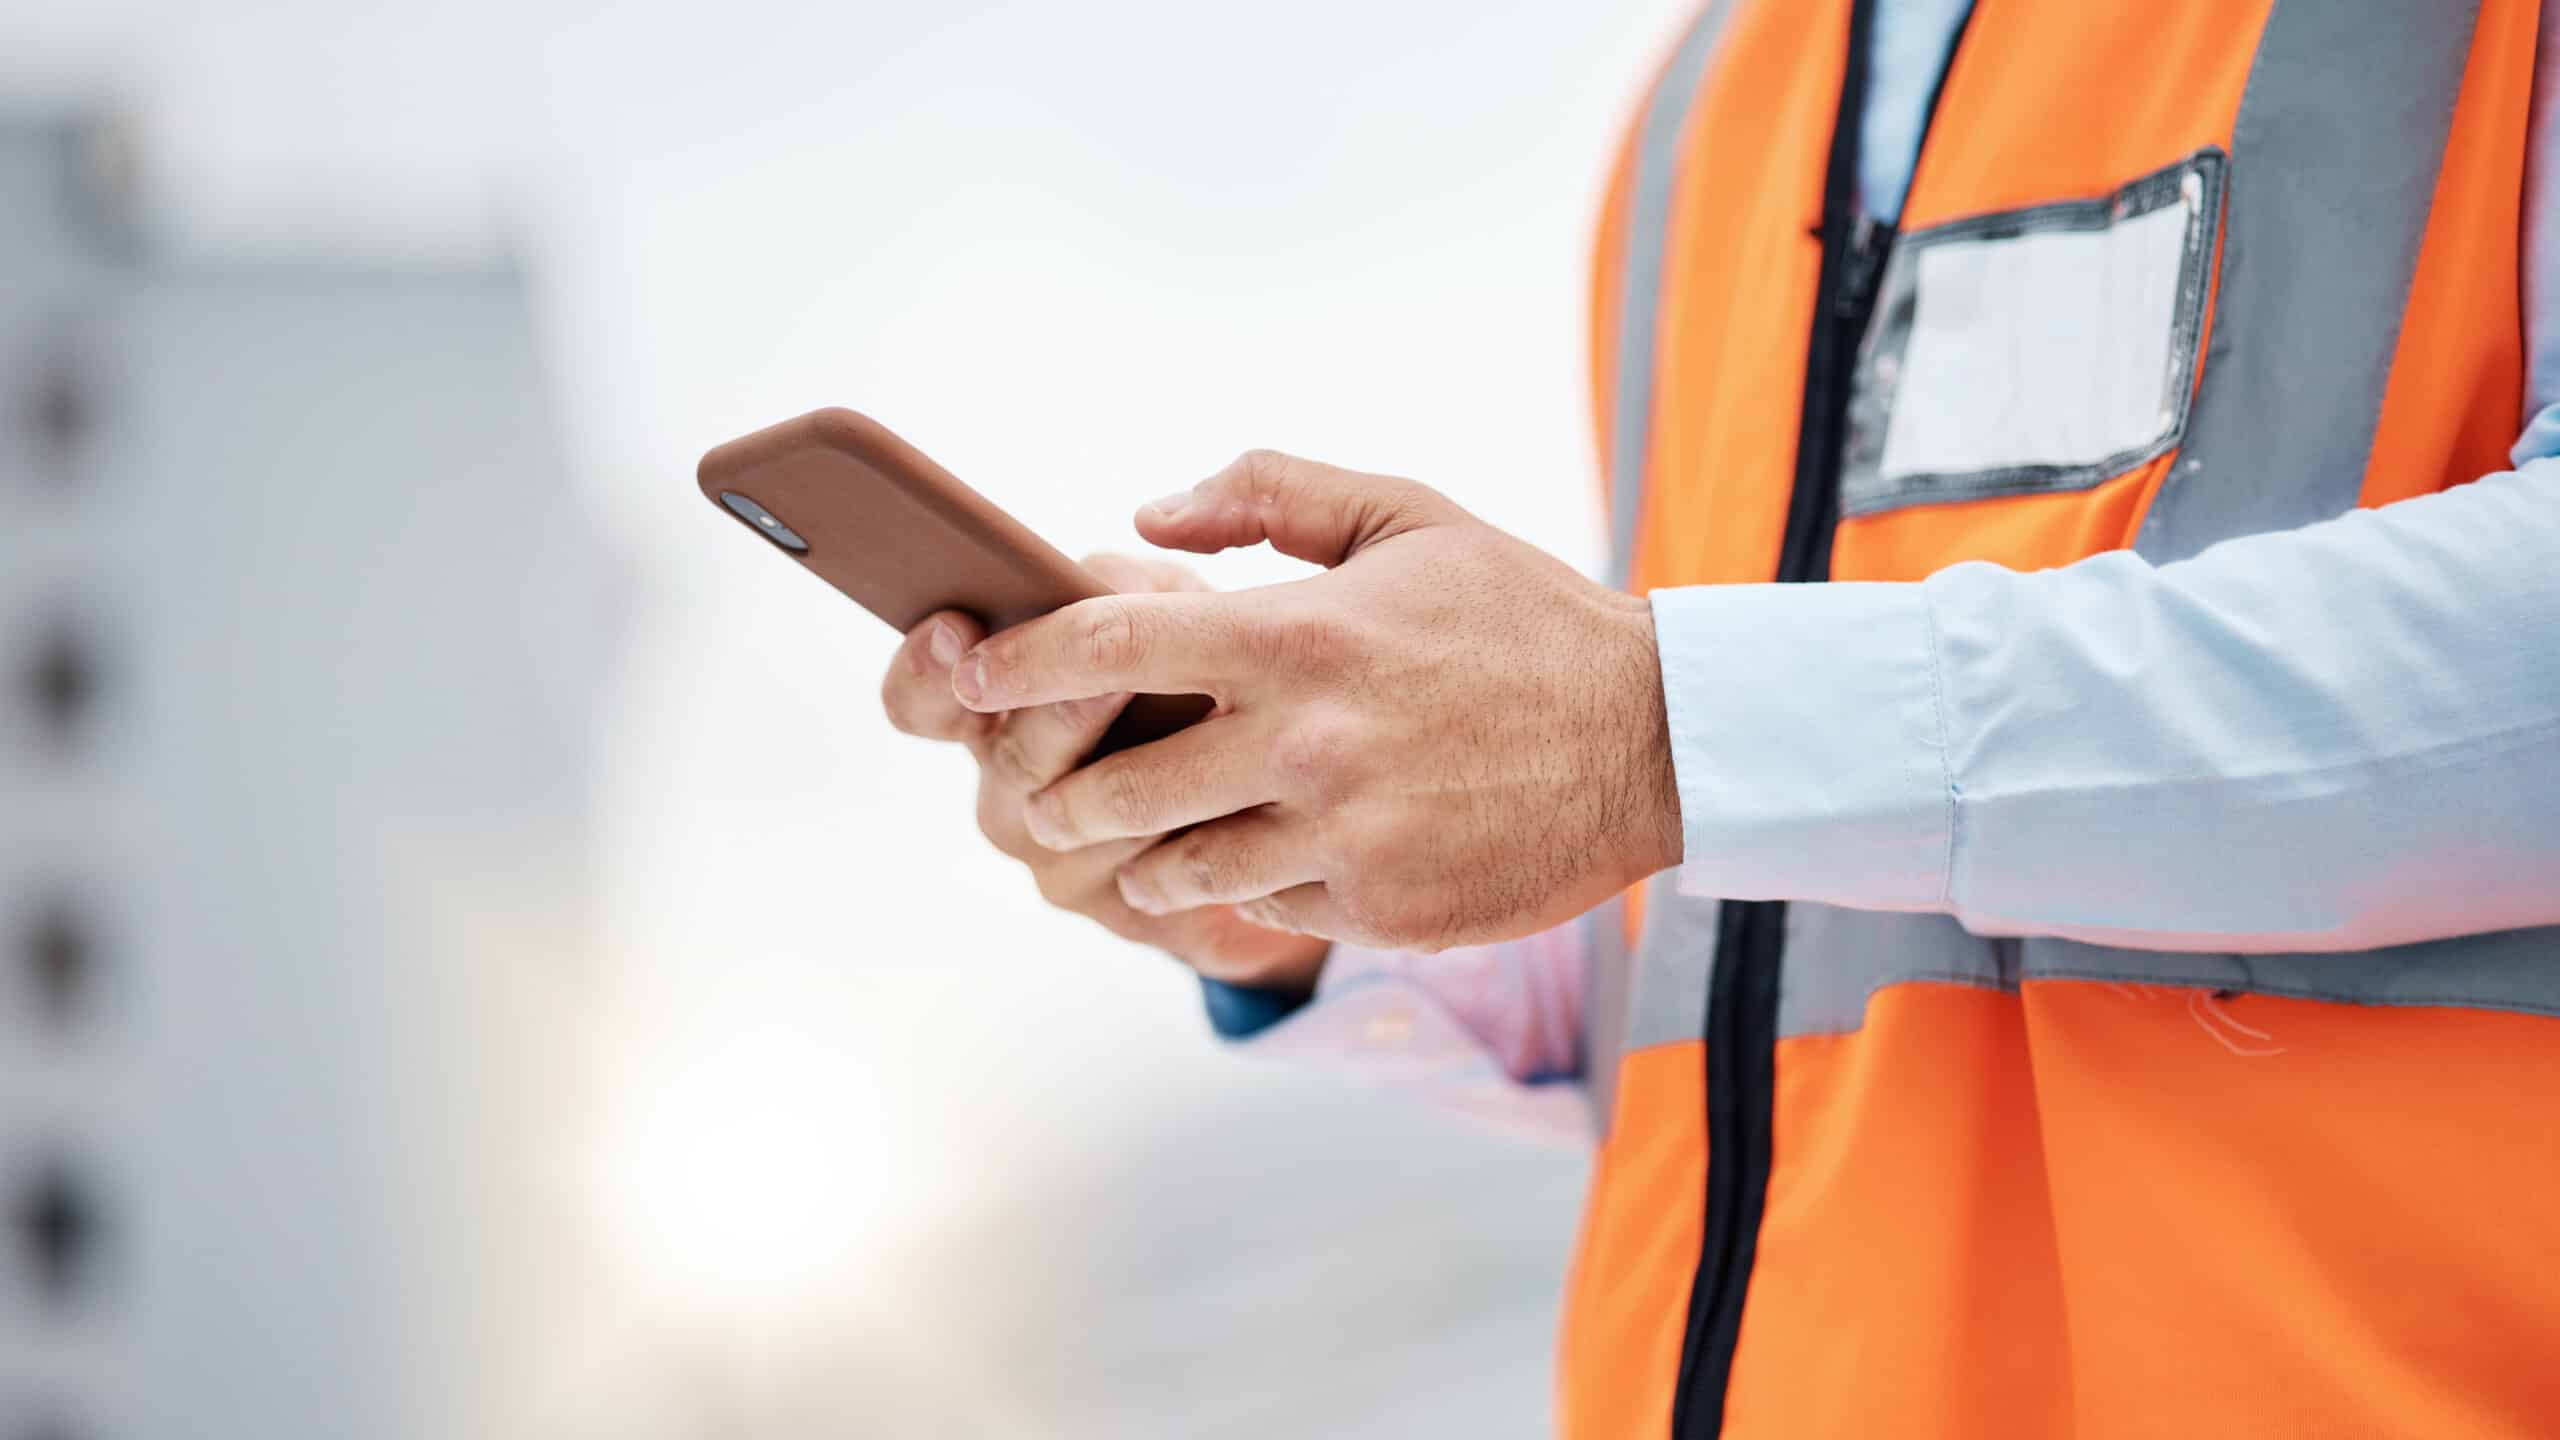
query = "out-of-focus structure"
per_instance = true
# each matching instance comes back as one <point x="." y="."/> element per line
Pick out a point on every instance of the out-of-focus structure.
<point x="300" y="630"/>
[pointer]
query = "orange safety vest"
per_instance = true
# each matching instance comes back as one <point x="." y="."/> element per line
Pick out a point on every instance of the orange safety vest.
<point x="1873" y="1175"/>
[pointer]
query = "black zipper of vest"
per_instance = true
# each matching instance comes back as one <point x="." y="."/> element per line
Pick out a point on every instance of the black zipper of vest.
<point x="1742" y="1000"/>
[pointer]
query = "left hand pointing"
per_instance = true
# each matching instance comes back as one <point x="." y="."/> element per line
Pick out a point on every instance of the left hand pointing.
<point x="1447" y="738"/>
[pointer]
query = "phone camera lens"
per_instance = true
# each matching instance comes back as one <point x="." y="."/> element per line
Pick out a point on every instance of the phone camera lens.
<point x="766" y="523"/>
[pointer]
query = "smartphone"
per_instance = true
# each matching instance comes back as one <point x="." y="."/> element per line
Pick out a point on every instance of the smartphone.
<point x="900" y="536"/>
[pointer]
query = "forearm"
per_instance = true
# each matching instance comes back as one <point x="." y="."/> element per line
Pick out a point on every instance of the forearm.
<point x="2336" y="737"/>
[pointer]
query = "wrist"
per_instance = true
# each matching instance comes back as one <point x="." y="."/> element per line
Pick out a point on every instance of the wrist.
<point x="1650" y="817"/>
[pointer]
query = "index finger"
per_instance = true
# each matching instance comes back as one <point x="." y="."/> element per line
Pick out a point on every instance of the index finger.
<point x="1165" y="644"/>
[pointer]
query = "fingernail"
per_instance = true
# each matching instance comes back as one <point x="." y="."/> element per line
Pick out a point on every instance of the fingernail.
<point x="1140" y="896"/>
<point x="1096" y="709"/>
<point x="945" y="644"/>
<point x="969" y="680"/>
<point x="1171" y="505"/>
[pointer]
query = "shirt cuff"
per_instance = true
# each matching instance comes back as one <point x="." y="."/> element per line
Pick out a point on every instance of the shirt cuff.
<point x="1240" y="1012"/>
<point x="1808" y="744"/>
<point x="1376" y="1020"/>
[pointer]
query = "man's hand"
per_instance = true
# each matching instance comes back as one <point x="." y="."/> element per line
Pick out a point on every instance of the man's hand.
<point x="1020" y="752"/>
<point x="1450" y="737"/>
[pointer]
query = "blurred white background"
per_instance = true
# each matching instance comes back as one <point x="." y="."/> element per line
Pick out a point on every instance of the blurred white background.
<point x="833" y="1130"/>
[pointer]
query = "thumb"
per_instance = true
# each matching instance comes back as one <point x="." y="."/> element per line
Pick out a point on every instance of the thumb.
<point x="1306" y="510"/>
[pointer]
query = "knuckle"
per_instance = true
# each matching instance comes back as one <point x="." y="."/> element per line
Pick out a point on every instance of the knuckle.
<point x="1113" y="638"/>
<point x="1260" y="465"/>
<point x="1313" y="758"/>
<point x="1260" y="475"/>
<point x="1010" y="762"/>
<point x="1127" y="798"/>
<point x="1312" y="641"/>
<point x="1203" y="869"/>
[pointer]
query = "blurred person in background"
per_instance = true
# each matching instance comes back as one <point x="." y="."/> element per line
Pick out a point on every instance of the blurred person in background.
<point x="2078" y="970"/>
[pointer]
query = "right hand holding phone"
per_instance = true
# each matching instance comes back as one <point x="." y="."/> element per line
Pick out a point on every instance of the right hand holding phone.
<point x="1021" y="752"/>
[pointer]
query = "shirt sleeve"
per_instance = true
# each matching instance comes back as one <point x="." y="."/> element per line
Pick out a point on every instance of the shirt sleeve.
<point x="1491" y="1031"/>
<point x="2342" y="736"/>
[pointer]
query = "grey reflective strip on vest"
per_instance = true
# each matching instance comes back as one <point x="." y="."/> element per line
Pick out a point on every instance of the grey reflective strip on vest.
<point x="1616" y="1017"/>
<point x="1648" y="230"/>
<point x="1657" y="996"/>
<point x="1675" y="967"/>
<point x="2334" y="157"/>
<point x="2515" y="970"/>
<point x="1608" y="972"/>
<point x="1838" y="959"/>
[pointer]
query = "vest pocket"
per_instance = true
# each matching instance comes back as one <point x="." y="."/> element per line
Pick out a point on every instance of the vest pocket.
<point x="2034" y="350"/>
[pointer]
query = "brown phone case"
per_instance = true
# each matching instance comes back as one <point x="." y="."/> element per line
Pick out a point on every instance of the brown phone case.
<point x="899" y="535"/>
